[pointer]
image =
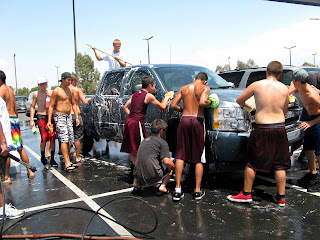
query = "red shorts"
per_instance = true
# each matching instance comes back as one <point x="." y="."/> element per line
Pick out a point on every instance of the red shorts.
<point x="131" y="136"/>
<point x="42" y="124"/>
<point x="268" y="148"/>
<point x="190" y="139"/>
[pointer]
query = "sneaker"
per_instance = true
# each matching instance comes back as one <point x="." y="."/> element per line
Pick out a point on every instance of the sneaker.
<point x="307" y="180"/>
<point x="281" y="201"/>
<point x="198" y="195"/>
<point x="177" y="196"/>
<point x="315" y="187"/>
<point x="240" y="198"/>
<point x="53" y="163"/>
<point x="44" y="161"/>
<point x="11" y="212"/>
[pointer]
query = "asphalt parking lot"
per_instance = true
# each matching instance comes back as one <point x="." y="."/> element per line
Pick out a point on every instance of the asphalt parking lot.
<point x="60" y="202"/>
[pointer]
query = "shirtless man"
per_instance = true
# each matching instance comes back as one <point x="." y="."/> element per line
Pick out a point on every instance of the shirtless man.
<point x="78" y="130"/>
<point x="310" y="124"/>
<point x="268" y="147"/>
<point x="42" y="99"/>
<point x="62" y="100"/>
<point x="7" y="95"/>
<point x="190" y="135"/>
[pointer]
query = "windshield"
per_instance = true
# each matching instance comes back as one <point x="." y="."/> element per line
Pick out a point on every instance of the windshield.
<point x="177" y="76"/>
<point x="21" y="98"/>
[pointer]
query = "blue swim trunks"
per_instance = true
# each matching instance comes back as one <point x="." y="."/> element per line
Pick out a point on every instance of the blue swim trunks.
<point x="312" y="134"/>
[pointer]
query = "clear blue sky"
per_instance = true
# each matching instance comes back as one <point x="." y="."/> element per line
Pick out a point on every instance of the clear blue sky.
<point x="202" y="32"/>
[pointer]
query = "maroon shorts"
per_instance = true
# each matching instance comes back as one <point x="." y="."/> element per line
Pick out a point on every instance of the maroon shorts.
<point x="190" y="139"/>
<point x="42" y="124"/>
<point x="268" y="148"/>
<point x="132" y="137"/>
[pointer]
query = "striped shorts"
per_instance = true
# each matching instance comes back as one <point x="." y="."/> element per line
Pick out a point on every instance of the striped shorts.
<point x="64" y="128"/>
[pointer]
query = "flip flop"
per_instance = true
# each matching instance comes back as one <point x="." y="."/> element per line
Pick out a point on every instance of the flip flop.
<point x="69" y="168"/>
<point x="5" y="182"/>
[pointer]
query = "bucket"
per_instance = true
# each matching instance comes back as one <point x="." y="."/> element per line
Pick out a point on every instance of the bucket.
<point x="14" y="166"/>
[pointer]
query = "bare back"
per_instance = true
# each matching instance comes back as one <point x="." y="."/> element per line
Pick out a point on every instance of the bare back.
<point x="191" y="95"/>
<point x="310" y="99"/>
<point x="7" y="95"/>
<point x="272" y="101"/>
<point x="76" y="95"/>
<point x="63" y="99"/>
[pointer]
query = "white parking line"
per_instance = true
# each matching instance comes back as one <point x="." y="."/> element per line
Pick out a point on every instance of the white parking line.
<point x="290" y="186"/>
<point x="85" y="198"/>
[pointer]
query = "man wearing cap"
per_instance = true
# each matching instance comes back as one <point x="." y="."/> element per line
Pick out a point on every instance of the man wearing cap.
<point x="62" y="100"/>
<point x="42" y="99"/>
<point x="310" y="124"/>
<point x="7" y="95"/>
<point x="115" y="61"/>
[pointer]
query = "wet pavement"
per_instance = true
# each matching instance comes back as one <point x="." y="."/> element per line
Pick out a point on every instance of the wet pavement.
<point x="59" y="202"/>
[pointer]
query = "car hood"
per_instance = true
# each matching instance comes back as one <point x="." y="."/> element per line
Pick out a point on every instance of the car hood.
<point x="227" y="97"/>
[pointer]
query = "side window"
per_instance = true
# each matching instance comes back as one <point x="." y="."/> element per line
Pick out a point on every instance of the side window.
<point x="134" y="80"/>
<point x="256" y="76"/>
<point x="234" y="77"/>
<point x="111" y="83"/>
<point x="286" y="77"/>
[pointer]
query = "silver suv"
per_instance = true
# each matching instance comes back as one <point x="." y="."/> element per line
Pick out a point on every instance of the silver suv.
<point x="244" y="77"/>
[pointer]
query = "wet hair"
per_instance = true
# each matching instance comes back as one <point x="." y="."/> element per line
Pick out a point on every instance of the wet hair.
<point x="116" y="41"/>
<point x="2" y="76"/>
<point x="274" y="68"/>
<point x="158" y="125"/>
<point x="74" y="78"/>
<point x="147" y="80"/>
<point x="202" y="76"/>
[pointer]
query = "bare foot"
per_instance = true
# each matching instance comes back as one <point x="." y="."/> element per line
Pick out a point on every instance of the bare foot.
<point x="163" y="188"/>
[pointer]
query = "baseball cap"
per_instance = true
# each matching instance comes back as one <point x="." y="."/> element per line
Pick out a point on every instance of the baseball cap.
<point x="300" y="75"/>
<point x="65" y="75"/>
<point x="42" y="79"/>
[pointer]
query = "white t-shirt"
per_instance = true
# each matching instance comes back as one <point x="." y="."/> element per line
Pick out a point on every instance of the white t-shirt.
<point x="113" y="64"/>
<point x="5" y="122"/>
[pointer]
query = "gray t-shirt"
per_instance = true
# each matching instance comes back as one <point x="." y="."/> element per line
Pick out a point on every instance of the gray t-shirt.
<point x="148" y="168"/>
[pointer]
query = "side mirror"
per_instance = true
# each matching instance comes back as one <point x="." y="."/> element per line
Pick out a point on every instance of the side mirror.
<point x="137" y="88"/>
<point x="232" y="84"/>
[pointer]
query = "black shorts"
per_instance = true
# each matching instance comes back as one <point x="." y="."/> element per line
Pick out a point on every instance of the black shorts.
<point x="77" y="130"/>
<point x="268" y="148"/>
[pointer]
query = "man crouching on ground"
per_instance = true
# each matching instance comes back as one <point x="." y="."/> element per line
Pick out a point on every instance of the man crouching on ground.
<point x="190" y="134"/>
<point x="153" y="160"/>
<point x="268" y="147"/>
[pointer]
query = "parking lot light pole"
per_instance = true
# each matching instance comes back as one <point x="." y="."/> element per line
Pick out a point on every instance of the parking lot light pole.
<point x="229" y="63"/>
<point x="148" y="47"/>
<point x="15" y="71"/>
<point x="314" y="59"/>
<point x="57" y="73"/>
<point x="290" y="52"/>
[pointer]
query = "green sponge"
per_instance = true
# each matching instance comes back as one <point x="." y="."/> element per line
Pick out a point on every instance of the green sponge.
<point x="214" y="100"/>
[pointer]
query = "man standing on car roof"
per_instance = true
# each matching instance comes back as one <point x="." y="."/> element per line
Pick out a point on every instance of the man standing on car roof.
<point x="115" y="61"/>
